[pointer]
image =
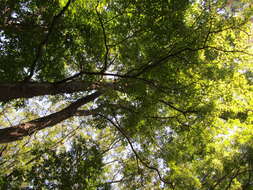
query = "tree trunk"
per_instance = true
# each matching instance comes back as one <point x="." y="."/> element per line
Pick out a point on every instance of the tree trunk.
<point x="17" y="132"/>
<point x="10" y="91"/>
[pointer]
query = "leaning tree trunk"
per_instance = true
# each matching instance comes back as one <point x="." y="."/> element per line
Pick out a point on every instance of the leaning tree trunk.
<point x="10" y="91"/>
<point x="17" y="132"/>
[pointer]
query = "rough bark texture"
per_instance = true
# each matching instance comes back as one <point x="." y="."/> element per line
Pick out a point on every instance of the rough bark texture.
<point x="17" y="132"/>
<point x="9" y="91"/>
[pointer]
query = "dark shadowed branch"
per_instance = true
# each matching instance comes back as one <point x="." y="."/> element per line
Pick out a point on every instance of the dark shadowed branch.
<point x="45" y="40"/>
<point x="17" y="132"/>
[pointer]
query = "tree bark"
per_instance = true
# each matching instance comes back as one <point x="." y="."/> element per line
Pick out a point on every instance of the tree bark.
<point x="17" y="132"/>
<point x="10" y="91"/>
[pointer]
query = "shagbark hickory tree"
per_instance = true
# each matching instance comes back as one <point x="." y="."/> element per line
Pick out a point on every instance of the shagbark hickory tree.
<point x="117" y="94"/>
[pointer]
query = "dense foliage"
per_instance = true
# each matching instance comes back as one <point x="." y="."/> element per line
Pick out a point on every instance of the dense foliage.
<point x="116" y="94"/>
<point x="77" y="168"/>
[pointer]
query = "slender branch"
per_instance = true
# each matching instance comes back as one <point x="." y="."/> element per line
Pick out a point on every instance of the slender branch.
<point x="111" y="146"/>
<point x="10" y="123"/>
<point x="45" y="41"/>
<point x="208" y="33"/>
<point x="87" y="112"/>
<point x="105" y="41"/>
<point x="220" y="179"/>
<point x="230" y="51"/>
<point x="184" y="112"/>
<point x="69" y="135"/>
<point x="2" y="150"/>
<point x="69" y="78"/>
<point x="134" y="151"/>
<point x="148" y="116"/>
<point x="231" y="179"/>
<point x="150" y="65"/>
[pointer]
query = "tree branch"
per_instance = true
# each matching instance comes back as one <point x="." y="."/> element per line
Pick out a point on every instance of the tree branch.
<point x="87" y="112"/>
<point x="45" y="41"/>
<point x="105" y="42"/>
<point x="134" y="151"/>
<point x="184" y="112"/>
<point x="17" y="132"/>
<point x="10" y="91"/>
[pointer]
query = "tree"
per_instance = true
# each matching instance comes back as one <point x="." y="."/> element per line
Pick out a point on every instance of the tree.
<point x="163" y="87"/>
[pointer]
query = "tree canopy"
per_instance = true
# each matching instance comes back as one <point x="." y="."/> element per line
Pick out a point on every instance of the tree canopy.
<point x="116" y="94"/>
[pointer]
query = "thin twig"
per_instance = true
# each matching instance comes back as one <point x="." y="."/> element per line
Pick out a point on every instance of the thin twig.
<point x="134" y="151"/>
